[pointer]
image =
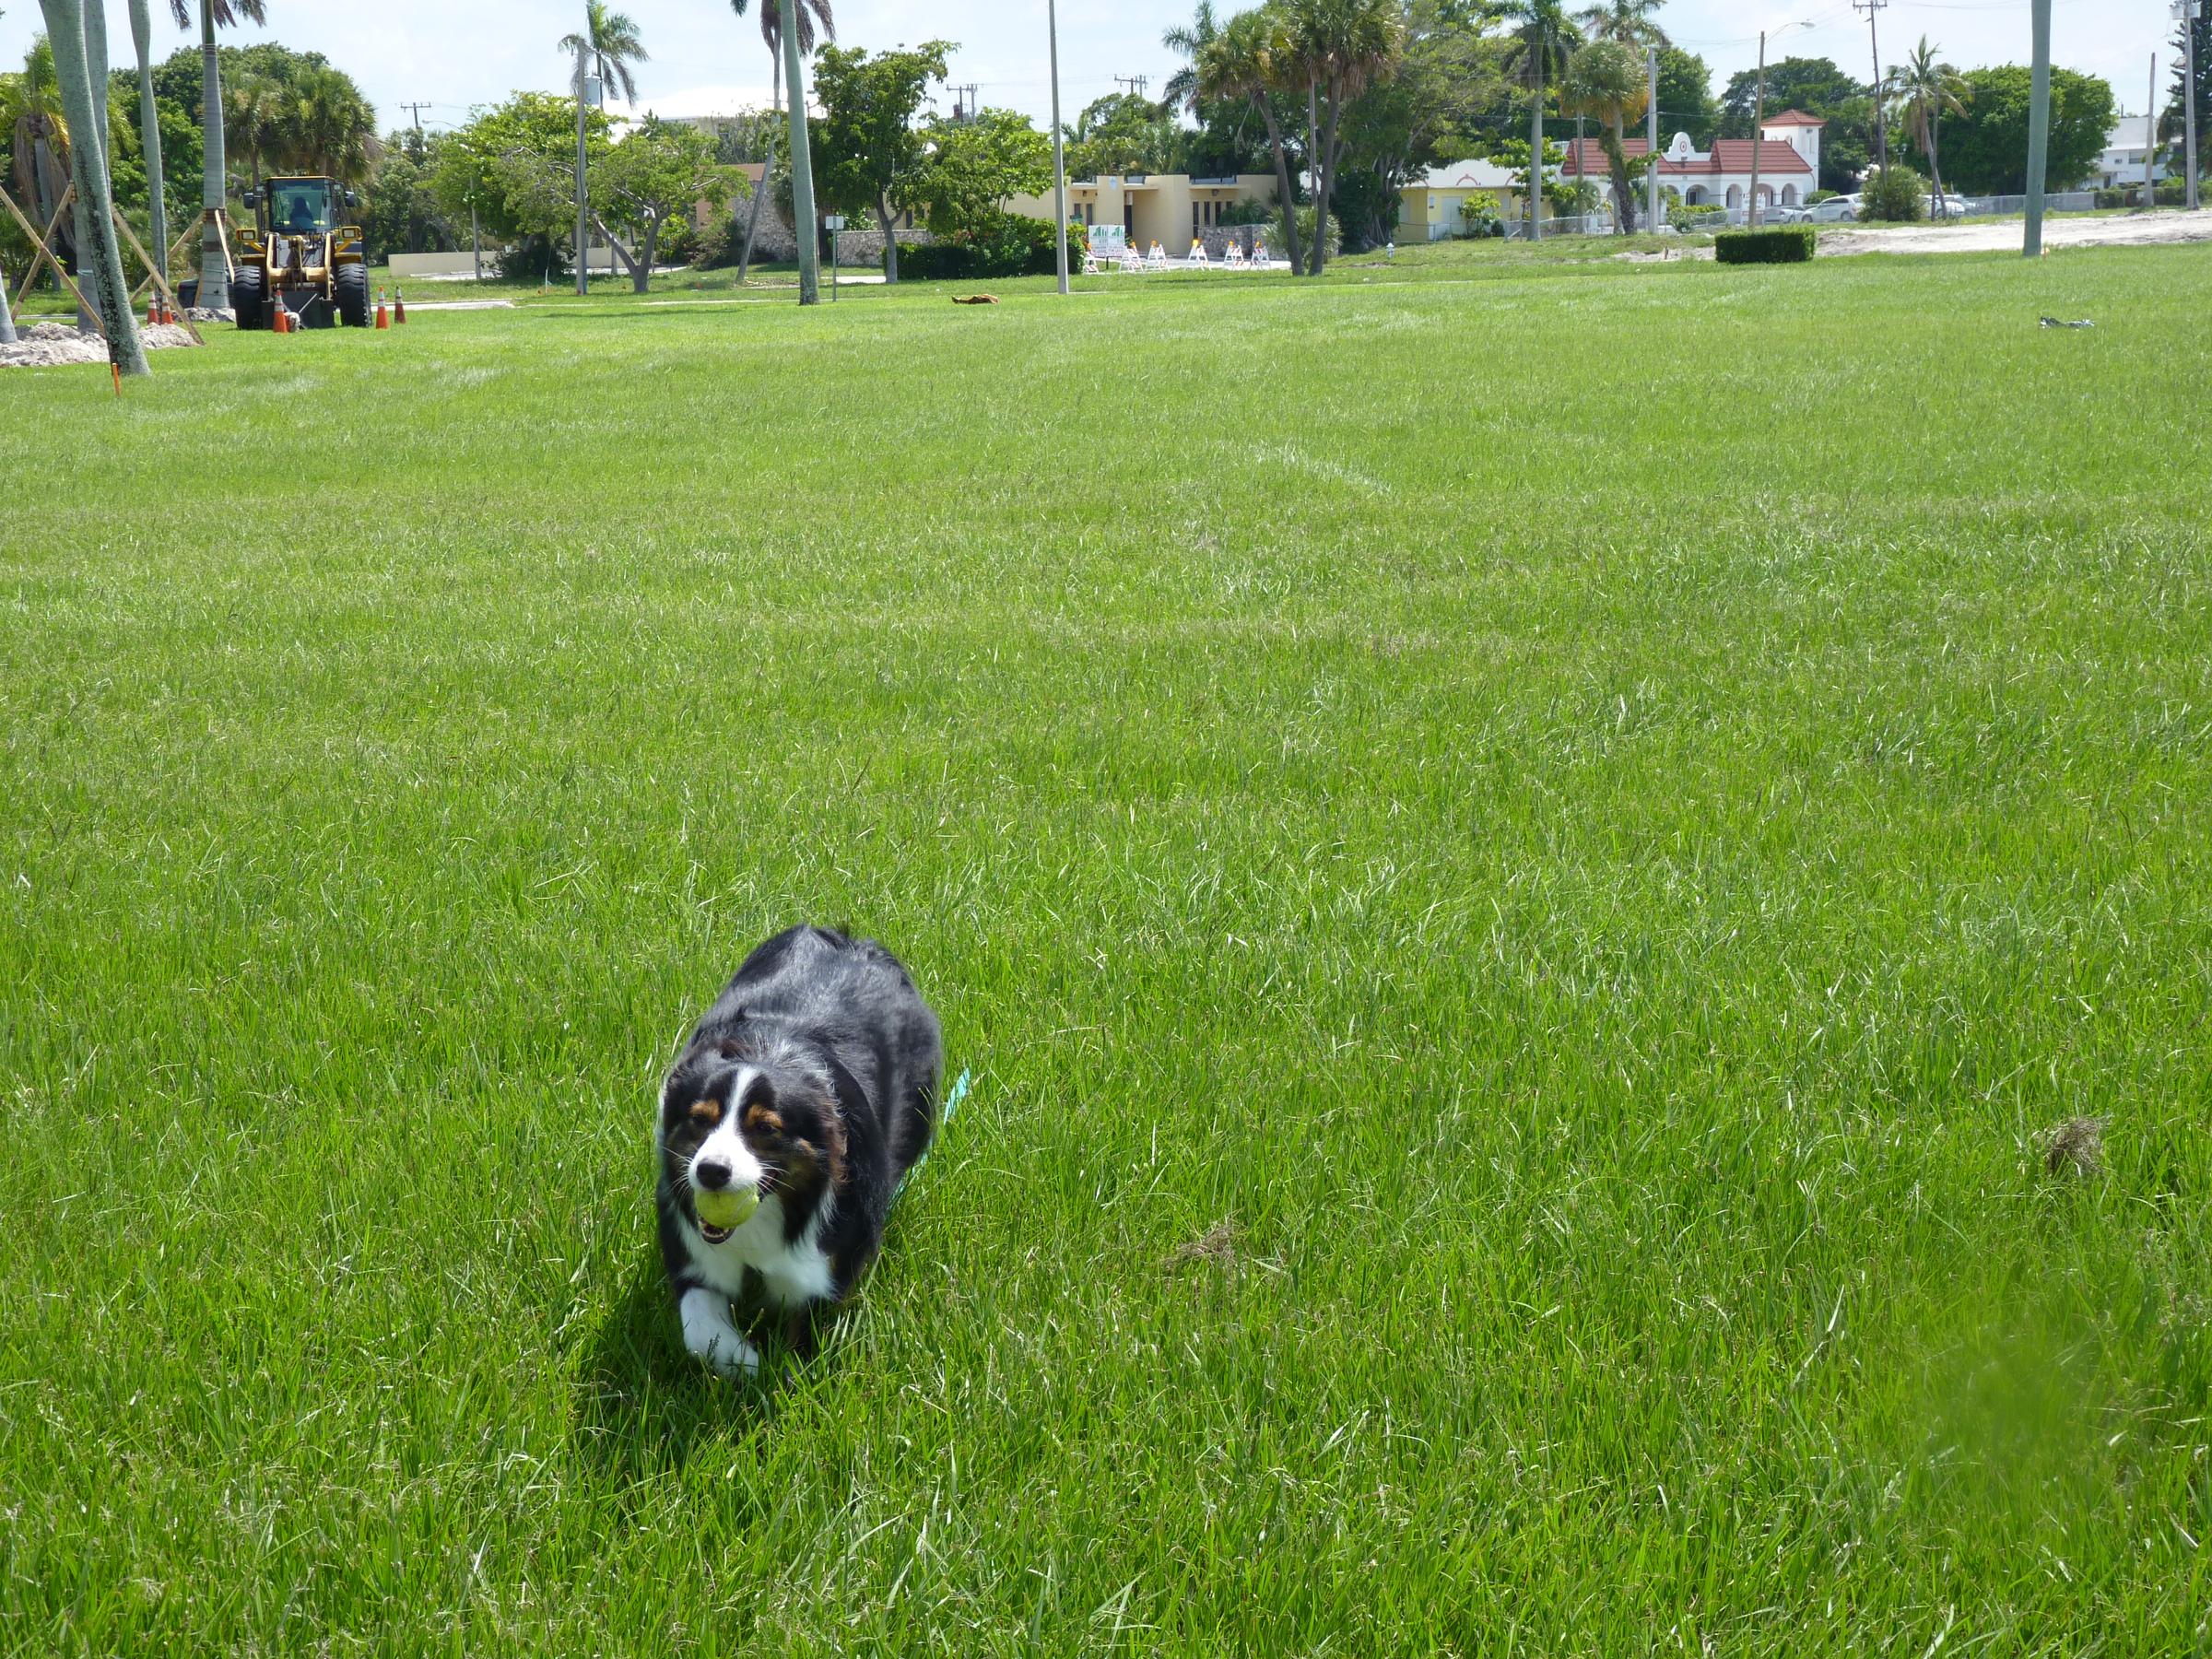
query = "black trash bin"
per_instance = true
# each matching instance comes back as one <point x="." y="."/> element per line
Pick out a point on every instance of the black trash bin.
<point x="188" y="292"/>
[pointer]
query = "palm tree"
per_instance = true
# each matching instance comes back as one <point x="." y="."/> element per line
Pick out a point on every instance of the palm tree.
<point x="1541" y="40"/>
<point x="1189" y="41"/>
<point x="609" y="45"/>
<point x="1922" y="89"/>
<point x="79" y="43"/>
<point x="1605" y="81"/>
<point x="811" y="14"/>
<point x="1625" y="21"/>
<point x="214" y="267"/>
<point x="40" y="133"/>
<point x="1346" y="46"/>
<point x="328" y="127"/>
<point x="1240" y="62"/>
<point x="253" y="121"/>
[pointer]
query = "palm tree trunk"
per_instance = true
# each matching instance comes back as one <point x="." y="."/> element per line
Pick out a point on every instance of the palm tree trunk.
<point x="215" y="270"/>
<point x="1327" y="180"/>
<point x="752" y="219"/>
<point x="1536" y="155"/>
<point x="1624" y="199"/>
<point x="890" y="238"/>
<point x="801" y="162"/>
<point x="98" y="256"/>
<point x="1282" y="180"/>
<point x="95" y="40"/>
<point x="149" y="136"/>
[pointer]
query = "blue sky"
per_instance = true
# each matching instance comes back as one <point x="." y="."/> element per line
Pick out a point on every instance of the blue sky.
<point x="704" y="61"/>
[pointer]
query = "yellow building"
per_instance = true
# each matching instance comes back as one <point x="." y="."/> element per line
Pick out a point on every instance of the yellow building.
<point x="1167" y="208"/>
<point x="1428" y="208"/>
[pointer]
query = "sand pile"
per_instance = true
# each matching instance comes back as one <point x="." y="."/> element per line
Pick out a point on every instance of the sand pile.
<point x="44" y="344"/>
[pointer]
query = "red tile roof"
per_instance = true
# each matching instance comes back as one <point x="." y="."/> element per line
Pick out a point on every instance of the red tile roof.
<point x="1729" y="156"/>
<point x="1794" y="118"/>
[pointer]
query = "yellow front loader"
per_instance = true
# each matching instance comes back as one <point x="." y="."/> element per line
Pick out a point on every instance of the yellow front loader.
<point x="300" y="257"/>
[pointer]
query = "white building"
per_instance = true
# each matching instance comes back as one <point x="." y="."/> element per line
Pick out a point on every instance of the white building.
<point x="2120" y="164"/>
<point x="1788" y="156"/>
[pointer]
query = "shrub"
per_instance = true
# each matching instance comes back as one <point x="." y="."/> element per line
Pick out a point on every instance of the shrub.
<point x="1894" y="193"/>
<point x="1702" y="217"/>
<point x="1249" y="213"/>
<point x="1778" y="245"/>
<point x="1479" y="215"/>
<point x="998" y="244"/>
<point x="1305" y="233"/>
<point x="1820" y="196"/>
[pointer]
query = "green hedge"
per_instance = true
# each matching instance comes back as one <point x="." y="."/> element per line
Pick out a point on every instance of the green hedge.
<point x="1779" y="244"/>
<point x="1000" y="245"/>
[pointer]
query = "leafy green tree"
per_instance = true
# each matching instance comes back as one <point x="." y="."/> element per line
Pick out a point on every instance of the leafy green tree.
<point x="975" y="165"/>
<point x="1606" y="82"/>
<point x="1346" y="46"/>
<point x="2173" y="123"/>
<point x="1542" y="39"/>
<point x="1434" y="108"/>
<point x="1895" y="193"/>
<point x="1818" y="88"/>
<point x="1923" y="92"/>
<point x="1685" y="99"/>
<point x="1121" y="134"/>
<point x="326" y="126"/>
<point x="1987" y="143"/>
<point x="514" y="164"/>
<point x="873" y="156"/>
<point x="400" y="210"/>
<point x="658" y="172"/>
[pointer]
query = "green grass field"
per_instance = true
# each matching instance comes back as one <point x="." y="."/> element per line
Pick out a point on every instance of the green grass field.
<point x="1519" y="859"/>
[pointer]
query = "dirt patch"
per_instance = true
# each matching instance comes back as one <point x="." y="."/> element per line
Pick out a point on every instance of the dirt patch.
<point x="1217" y="1245"/>
<point x="1990" y="236"/>
<point x="44" y="345"/>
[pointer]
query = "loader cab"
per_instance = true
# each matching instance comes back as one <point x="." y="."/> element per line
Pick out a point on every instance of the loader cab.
<point x="301" y="206"/>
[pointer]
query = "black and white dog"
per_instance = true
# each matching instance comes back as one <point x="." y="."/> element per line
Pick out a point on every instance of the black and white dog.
<point x="812" y="1085"/>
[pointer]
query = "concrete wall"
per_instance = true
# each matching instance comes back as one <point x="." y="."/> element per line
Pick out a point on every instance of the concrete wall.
<point x="602" y="262"/>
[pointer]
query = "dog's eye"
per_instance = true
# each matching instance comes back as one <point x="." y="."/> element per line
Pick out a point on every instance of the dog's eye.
<point x="707" y="1110"/>
<point x="761" y="1121"/>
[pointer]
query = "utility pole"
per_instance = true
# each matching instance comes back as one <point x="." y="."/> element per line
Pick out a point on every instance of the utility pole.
<point x="1136" y="83"/>
<point x="582" y="247"/>
<point x="1578" y="163"/>
<point x="1759" y="119"/>
<point x="2150" y="139"/>
<point x="414" y="110"/>
<point x="1051" y="36"/>
<point x="1650" y="130"/>
<point x="2038" y="128"/>
<point x="1881" y="127"/>
<point x="2189" y="11"/>
<point x="475" y="241"/>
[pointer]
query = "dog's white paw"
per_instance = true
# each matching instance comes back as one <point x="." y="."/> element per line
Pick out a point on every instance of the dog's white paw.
<point x="709" y="1333"/>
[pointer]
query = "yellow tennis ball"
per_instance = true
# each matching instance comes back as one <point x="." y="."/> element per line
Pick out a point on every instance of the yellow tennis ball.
<point x="731" y="1207"/>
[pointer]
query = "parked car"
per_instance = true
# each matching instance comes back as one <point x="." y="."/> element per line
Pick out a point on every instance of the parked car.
<point x="1785" y="216"/>
<point x="1947" y="205"/>
<point x="1836" y="210"/>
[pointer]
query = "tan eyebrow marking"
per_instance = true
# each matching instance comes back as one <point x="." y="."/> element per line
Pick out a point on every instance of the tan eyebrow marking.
<point x="707" y="1110"/>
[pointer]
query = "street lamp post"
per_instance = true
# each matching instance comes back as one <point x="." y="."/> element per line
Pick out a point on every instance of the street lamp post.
<point x="833" y="223"/>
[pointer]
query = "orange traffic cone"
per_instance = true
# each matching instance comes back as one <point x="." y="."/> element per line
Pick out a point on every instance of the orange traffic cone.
<point x="283" y="318"/>
<point x="383" y="318"/>
<point x="399" y="305"/>
<point x="153" y="311"/>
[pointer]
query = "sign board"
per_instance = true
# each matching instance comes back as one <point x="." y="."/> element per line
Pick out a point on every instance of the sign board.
<point x="1109" y="240"/>
<point x="835" y="221"/>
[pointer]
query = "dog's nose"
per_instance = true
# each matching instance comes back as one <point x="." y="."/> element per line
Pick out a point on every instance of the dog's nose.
<point x="712" y="1176"/>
